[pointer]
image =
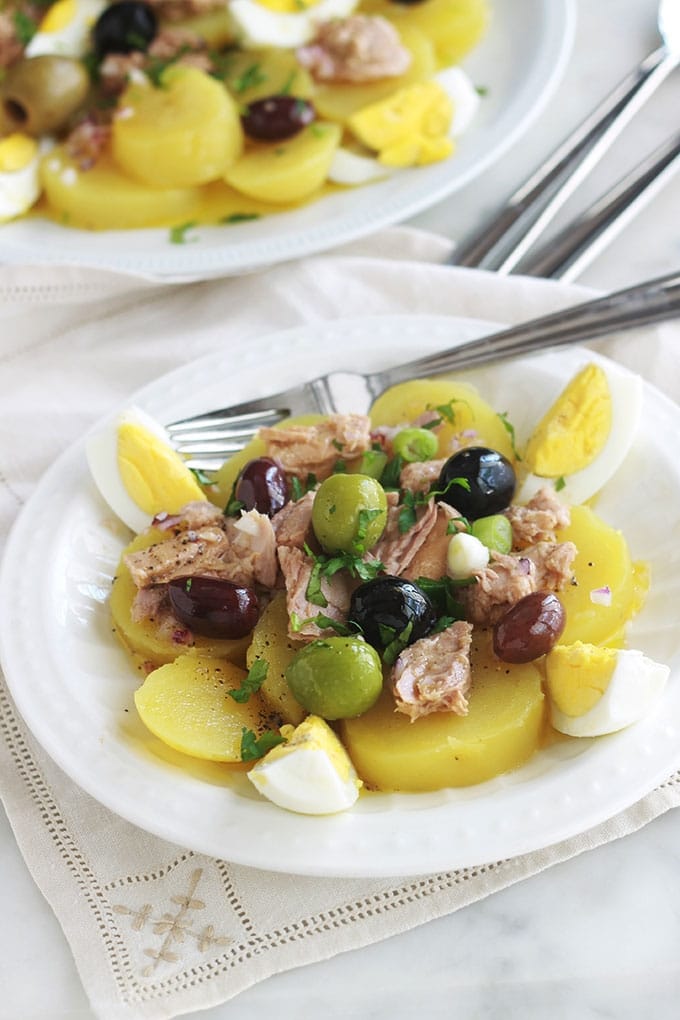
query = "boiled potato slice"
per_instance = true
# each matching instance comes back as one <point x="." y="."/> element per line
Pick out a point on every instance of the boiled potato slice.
<point x="186" y="704"/>
<point x="142" y="638"/>
<point x="339" y="100"/>
<point x="289" y="171"/>
<point x="215" y="27"/>
<point x="104" y="198"/>
<point x="403" y="403"/>
<point x="186" y="132"/>
<point x="603" y="559"/>
<point x="271" y="643"/>
<point x="454" y="26"/>
<point x="501" y="731"/>
<point x="256" y="74"/>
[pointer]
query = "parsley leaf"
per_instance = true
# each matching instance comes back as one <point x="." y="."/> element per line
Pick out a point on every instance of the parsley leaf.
<point x="251" y="77"/>
<point x="322" y="621"/>
<point x="240" y="217"/>
<point x="257" y="674"/>
<point x="201" y="476"/>
<point x="24" y="27"/>
<point x="510" y="429"/>
<point x="397" y="645"/>
<point x="253" y="747"/>
<point x="327" y="566"/>
<point x="443" y="595"/>
<point x="178" y="235"/>
<point x="389" y="479"/>
<point x="560" y="483"/>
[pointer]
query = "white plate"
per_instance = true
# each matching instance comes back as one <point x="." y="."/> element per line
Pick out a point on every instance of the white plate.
<point x="519" y="62"/>
<point x="74" y="685"/>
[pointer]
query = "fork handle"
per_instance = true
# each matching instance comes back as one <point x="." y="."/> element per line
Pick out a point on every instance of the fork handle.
<point x="502" y="243"/>
<point x="653" y="301"/>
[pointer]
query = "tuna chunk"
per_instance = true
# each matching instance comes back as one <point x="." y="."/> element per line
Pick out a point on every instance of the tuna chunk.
<point x="396" y="550"/>
<point x="241" y="550"/>
<point x="293" y="523"/>
<point x="355" y="49"/>
<point x="421" y="475"/>
<point x="296" y="567"/>
<point x="539" y="520"/>
<point x="314" y="449"/>
<point x="433" y="674"/>
<point x="430" y="559"/>
<point x="507" y="579"/>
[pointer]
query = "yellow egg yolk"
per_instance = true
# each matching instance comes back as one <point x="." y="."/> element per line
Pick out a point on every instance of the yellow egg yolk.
<point x="16" y="152"/>
<point x="59" y="16"/>
<point x="409" y="128"/>
<point x="287" y="6"/>
<point x="575" y="429"/>
<point x="578" y="675"/>
<point x="155" y="477"/>
<point x="315" y="734"/>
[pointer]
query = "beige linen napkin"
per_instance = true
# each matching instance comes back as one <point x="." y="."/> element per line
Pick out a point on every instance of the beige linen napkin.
<point x="157" y="930"/>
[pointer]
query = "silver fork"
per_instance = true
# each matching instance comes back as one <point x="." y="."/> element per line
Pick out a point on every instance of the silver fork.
<point x="207" y="439"/>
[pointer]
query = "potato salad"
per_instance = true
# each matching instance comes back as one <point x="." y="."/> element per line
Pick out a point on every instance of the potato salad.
<point x="147" y="113"/>
<point x="404" y="601"/>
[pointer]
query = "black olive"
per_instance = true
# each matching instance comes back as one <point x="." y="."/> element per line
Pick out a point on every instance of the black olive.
<point x="262" y="485"/>
<point x="214" y="607"/>
<point x="391" y="609"/>
<point x="490" y="479"/>
<point x="124" y="27"/>
<point x="276" y="118"/>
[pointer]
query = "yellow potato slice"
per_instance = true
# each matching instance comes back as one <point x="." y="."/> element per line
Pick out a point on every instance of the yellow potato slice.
<point x="256" y="74"/>
<point x="289" y="171"/>
<point x="105" y="198"/>
<point x="186" y="704"/>
<point x="186" y="132"/>
<point x="603" y="559"/>
<point x="502" y="730"/>
<point x="402" y="404"/>
<point x="271" y="643"/>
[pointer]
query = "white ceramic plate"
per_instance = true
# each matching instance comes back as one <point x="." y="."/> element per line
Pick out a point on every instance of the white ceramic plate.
<point x="74" y="685"/>
<point x="519" y="62"/>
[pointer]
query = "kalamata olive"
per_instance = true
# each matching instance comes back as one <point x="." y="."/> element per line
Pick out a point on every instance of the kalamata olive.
<point x="276" y="118"/>
<point x="349" y="513"/>
<point x="213" y="607"/>
<point x="489" y="476"/>
<point x="336" y="678"/>
<point x="391" y="608"/>
<point x="124" y="27"/>
<point x="262" y="485"/>
<point x="530" y="628"/>
<point x="39" y="94"/>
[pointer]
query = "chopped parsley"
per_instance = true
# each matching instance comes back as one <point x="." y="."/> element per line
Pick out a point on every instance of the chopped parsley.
<point x="240" y="217"/>
<point x="24" y="27"/>
<point x="560" y="483"/>
<point x="443" y="594"/>
<point x="389" y="479"/>
<point x="288" y="83"/>
<point x="178" y="234"/>
<point x="201" y="476"/>
<point x="323" y="622"/>
<point x="257" y="674"/>
<point x="252" y="76"/>
<point x="298" y="489"/>
<point x="253" y="747"/>
<point x="327" y="566"/>
<point x="395" y="643"/>
<point x="510" y="429"/>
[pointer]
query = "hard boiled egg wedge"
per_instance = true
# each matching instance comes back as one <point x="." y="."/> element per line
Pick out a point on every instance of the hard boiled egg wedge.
<point x="311" y="773"/>
<point x="593" y="691"/>
<point x="283" y="23"/>
<point x="19" y="175"/>
<point x="584" y="436"/>
<point x="351" y="167"/>
<point x="137" y="471"/>
<point x="65" y="29"/>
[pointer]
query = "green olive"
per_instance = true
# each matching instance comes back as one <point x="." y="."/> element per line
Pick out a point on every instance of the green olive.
<point x="39" y="94"/>
<point x="336" y="678"/>
<point x="349" y="513"/>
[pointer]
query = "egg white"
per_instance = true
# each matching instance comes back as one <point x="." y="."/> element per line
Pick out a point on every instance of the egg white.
<point x="102" y="459"/>
<point x="626" y="397"/>
<point x="257" y="26"/>
<point x="20" y="189"/>
<point x="73" y="39"/>
<point x="349" y="168"/>
<point x="304" y="777"/>
<point x="635" y="684"/>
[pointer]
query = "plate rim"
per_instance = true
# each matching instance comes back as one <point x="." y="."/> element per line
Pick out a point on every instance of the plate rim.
<point x="397" y="866"/>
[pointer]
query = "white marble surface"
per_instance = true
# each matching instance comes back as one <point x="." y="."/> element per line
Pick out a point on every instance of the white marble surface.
<point x="596" y="937"/>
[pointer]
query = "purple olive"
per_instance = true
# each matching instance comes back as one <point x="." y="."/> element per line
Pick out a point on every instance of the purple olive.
<point x="276" y="118"/>
<point x="262" y="485"/>
<point x="213" y="607"/>
<point x="530" y="628"/>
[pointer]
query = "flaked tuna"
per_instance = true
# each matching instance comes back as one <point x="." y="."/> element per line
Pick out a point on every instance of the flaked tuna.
<point x="421" y="474"/>
<point x="296" y="567"/>
<point x="433" y="674"/>
<point x="539" y="520"/>
<point x="315" y="449"/>
<point x="430" y="559"/>
<point x="293" y="523"/>
<point x="396" y="549"/>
